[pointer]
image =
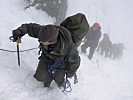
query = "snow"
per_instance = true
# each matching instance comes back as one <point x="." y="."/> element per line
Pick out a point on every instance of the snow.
<point x="99" y="79"/>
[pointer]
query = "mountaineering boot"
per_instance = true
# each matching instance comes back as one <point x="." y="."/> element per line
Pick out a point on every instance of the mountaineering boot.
<point x="46" y="84"/>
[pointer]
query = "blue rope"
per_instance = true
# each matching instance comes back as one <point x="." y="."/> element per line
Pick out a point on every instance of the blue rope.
<point x="53" y="67"/>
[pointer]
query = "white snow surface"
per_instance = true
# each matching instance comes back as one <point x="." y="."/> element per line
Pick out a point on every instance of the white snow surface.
<point x="99" y="79"/>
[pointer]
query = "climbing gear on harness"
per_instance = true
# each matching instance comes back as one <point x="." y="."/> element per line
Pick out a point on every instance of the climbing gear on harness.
<point x="40" y="48"/>
<point x="75" y="79"/>
<point x="53" y="67"/>
<point x="66" y="86"/>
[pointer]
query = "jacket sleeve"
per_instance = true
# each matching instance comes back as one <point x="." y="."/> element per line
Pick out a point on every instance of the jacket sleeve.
<point x="73" y="62"/>
<point x="32" y="29"/>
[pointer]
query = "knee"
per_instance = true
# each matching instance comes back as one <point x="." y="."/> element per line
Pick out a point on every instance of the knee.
<point x="59" y="79"/>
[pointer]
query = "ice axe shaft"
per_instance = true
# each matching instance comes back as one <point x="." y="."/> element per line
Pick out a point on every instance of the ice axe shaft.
<point x="17" y="43"/>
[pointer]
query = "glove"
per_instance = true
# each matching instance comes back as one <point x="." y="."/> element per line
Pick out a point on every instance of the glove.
<point x="16" y="35"/>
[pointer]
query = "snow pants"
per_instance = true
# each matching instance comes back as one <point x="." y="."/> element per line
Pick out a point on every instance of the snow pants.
<point x="42" y="73"/>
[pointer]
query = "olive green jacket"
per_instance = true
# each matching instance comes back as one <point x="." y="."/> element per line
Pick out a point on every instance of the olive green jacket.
<point x="65" y="47"/>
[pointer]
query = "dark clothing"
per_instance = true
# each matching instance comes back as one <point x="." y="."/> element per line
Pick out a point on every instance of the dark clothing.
<point x="92" y="39"/>
<point x="93" y="35"/>
<point x="105" y="46"/>
<point x="42" y="72"/>
<point x="64" y="48"/>
<point x="117" y="51"/>
<point x="78" y="26"/>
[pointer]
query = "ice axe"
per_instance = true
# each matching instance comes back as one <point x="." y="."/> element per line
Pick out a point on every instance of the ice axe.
<point x="17" y="43"/>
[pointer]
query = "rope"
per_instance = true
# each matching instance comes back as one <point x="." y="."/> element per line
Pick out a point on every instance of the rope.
<point x="53" y="67"/>
<point x="67" y="86"/>
<point x="19" y="51"/>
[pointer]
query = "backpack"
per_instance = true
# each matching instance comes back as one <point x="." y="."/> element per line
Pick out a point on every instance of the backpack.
<point x="77" y="25"/>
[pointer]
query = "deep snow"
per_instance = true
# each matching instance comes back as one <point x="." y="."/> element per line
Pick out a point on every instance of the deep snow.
<point x="99" y="79"/>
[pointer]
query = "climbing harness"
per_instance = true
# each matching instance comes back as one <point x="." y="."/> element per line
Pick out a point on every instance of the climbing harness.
<point x="53" y="67"/>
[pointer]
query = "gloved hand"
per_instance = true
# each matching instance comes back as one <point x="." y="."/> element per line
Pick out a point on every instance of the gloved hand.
<point x="16" y="35"/>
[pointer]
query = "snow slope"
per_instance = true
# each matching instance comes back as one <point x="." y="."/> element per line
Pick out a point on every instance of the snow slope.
<point x="99" y="79"/>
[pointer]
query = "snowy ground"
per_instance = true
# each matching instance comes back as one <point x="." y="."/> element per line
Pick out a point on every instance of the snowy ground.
<point x="99" y="79"/>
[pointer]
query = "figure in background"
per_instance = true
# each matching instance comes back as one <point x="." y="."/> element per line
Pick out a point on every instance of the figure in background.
<point x="104" y="46"/>
<point x="117" y="50"/>
<point x="92" y="39"/>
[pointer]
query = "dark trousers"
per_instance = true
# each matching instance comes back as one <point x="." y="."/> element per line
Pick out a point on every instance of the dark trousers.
<point x="92" y="49"/>
<point x="42" y="73"/>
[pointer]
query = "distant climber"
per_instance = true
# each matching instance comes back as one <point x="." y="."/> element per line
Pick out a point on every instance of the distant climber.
<point x="92" y="39"/>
